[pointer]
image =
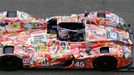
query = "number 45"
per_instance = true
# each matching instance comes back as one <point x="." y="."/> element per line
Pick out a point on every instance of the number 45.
<point x="80" y="64"/>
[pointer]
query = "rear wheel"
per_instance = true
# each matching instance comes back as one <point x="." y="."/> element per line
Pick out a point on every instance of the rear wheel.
<point x="10" y="63"/>
<point x="67" y="63"/>
<point x="105" y="63"/>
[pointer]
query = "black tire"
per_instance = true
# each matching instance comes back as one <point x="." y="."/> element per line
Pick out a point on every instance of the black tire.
<point x="105" y="63"/>
<point x="67" y="63"/>
<point x="10" y="63"/>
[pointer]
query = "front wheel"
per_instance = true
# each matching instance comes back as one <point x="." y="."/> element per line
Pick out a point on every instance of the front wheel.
<point x="105" y="63"/>
<point x="10" y="63"/>
<point x="67" y="63"/>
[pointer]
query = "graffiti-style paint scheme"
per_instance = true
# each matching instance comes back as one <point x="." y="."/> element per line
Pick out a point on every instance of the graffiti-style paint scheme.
<point x="37" y="48"/>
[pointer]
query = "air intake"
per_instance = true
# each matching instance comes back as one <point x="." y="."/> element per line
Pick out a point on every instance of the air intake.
<point x="101" y="15"/>
<point x="8" y="49"/>
<point x="11" y="14"/>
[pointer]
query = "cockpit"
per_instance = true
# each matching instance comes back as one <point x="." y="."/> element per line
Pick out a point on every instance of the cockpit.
<point x="71" y="31"/>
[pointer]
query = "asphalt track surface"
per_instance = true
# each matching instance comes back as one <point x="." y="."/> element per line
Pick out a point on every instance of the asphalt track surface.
<point x="47" y="8"/>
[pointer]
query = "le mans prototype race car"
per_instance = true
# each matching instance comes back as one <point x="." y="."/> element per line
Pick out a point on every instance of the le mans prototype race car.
<point x="95" y="40"/>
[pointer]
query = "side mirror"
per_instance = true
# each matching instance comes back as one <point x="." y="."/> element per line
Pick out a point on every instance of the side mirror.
<point x="52" y="26"/>
<point x="128" y="25"/>
<point x="86" y="13"/>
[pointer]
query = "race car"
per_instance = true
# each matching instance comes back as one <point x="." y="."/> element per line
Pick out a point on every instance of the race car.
<point x="74" y="41"/>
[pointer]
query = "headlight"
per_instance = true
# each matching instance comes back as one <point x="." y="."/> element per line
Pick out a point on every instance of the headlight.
<point x="8" y="49"/>
<point x="127" y="53"/>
